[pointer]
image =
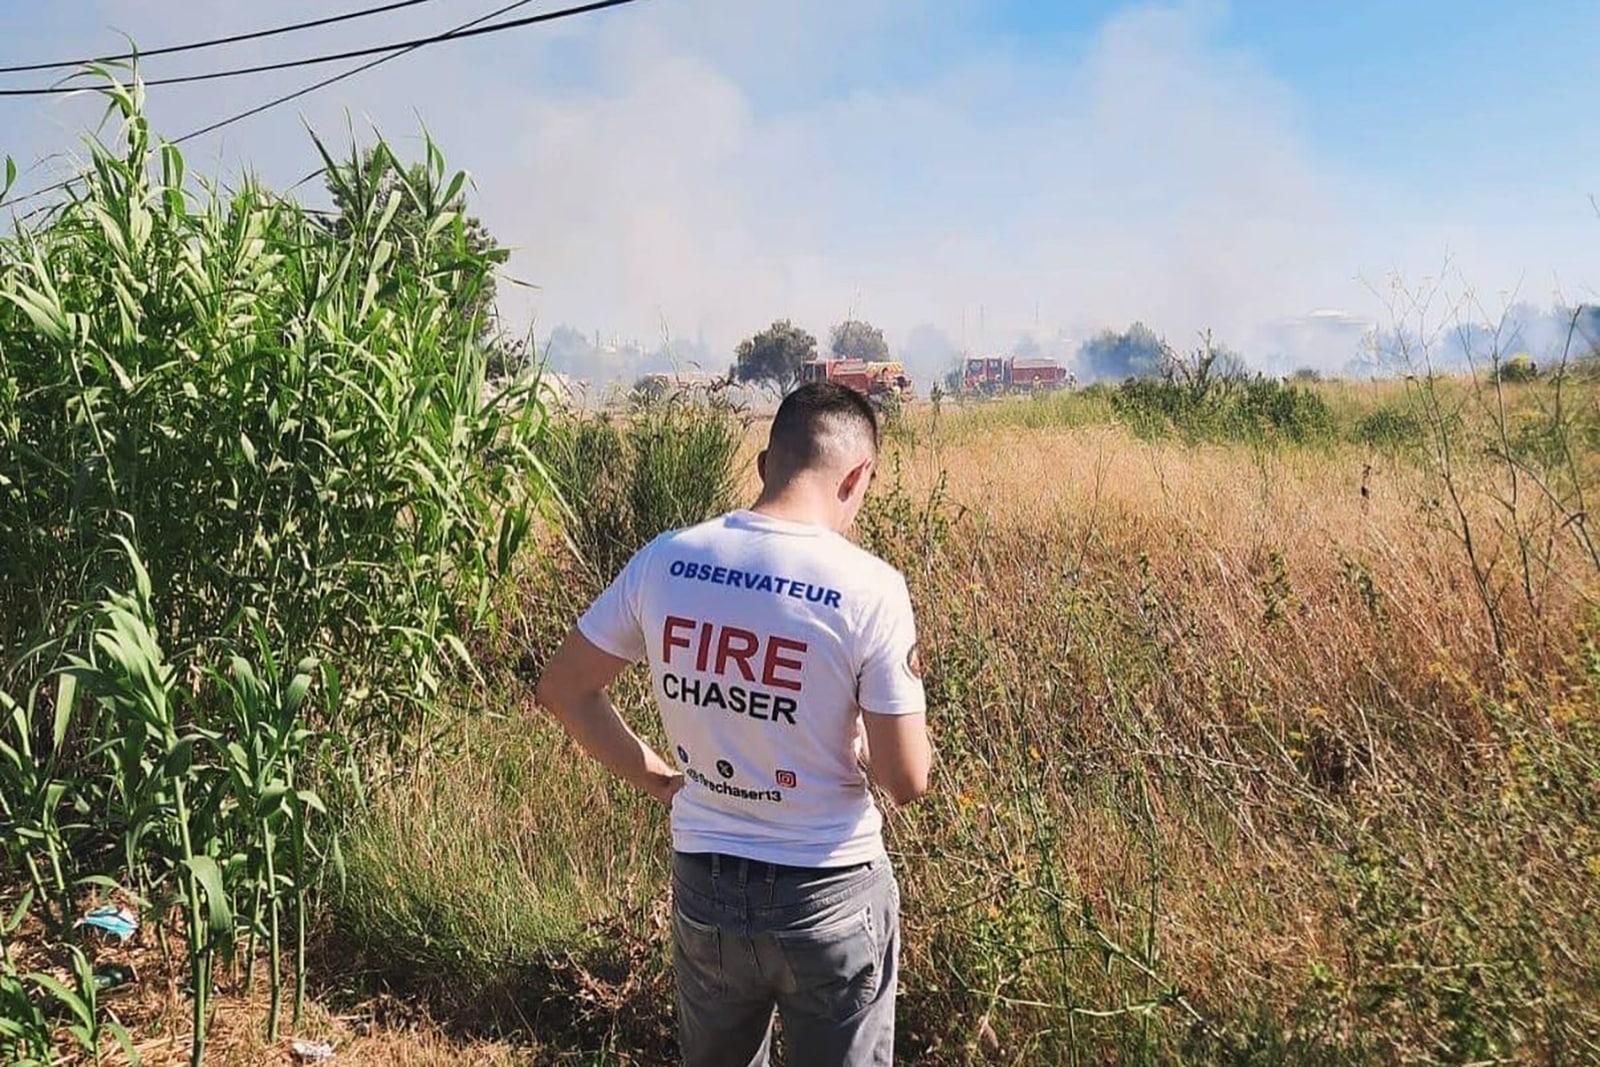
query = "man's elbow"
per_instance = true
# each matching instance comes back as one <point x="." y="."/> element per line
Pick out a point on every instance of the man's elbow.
<point x="907" y="788"/>
<point x="550" y="694"/>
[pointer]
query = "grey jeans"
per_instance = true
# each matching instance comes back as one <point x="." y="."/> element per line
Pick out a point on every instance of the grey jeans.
<point x="822" y="946"/>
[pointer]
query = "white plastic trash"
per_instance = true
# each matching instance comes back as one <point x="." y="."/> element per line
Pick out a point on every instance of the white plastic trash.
<point x="120" y="923"/>
<point x="311" y="1051"/>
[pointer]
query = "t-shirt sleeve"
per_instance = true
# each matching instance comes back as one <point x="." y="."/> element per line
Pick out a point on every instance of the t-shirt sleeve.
<point x="613" y="622"/>
<point x="890" y="681"/>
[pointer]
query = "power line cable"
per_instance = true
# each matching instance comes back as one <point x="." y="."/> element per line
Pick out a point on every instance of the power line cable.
<point x="284" y="99"/>
<point x="195" y="46"/>
<point x="352" y="72"/>
<point x="356" y="53"/>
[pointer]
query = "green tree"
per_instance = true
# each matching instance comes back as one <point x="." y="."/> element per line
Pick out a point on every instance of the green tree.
<point x="1137" y="353"/>
<point x="855" y="339"/>
<point x="773" y="357"/>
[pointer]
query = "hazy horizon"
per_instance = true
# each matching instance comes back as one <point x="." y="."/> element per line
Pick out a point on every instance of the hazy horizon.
<point x="960" y="173"/>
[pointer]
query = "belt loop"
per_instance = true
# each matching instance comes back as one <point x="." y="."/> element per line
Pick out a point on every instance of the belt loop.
<point x="744" y="875"/>
<point x="772" y="880"/>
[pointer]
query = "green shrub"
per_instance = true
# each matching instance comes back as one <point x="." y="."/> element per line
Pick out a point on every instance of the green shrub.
<point x="1388" y="427"/>
<point x="1151" y="408"/>
<point x="650" y="388"/>
<point x="1235" y="409"/>
<point x="671" y="462"/>
<point x="1269" y="407"/>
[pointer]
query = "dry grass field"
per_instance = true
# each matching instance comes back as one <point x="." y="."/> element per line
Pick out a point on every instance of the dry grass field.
<point x="1230" y="771"/>
<point x="1236" y="765"/>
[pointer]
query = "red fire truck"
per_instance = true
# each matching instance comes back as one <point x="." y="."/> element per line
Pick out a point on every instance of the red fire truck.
<point x="997" y="374"/>
<point x="878" y="380"/>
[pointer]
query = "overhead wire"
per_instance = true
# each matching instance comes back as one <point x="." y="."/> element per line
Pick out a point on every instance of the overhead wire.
<point x="342" y="75"/>
<point x="334" y="57"/>
<point x="215" y="42"/>
<point x="321" y="84"/>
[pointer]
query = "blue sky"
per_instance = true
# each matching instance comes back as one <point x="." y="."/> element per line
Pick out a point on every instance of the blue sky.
<point x="700" y="167"/>
<point x="1405" y="94"/>
<point x="1408" y="88"/>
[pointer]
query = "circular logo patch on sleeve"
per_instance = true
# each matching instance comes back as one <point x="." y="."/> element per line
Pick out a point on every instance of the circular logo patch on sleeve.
<point x="914" y="663"/>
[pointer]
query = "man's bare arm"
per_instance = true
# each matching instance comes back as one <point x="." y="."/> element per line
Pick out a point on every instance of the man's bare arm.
<point x="898" y="755"/>
<point x="573" y="689"/>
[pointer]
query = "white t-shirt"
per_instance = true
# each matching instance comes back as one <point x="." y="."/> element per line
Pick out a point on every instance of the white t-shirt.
<point x="766" y="639"/>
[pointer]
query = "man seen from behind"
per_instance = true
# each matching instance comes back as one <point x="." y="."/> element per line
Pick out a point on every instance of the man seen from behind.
<point x="783" y="659"/>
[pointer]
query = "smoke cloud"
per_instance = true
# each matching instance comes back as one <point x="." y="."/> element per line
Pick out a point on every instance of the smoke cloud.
<point x="683" y="172"/>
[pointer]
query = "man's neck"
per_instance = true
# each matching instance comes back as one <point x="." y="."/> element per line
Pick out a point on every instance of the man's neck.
<point x="795" y="504"/>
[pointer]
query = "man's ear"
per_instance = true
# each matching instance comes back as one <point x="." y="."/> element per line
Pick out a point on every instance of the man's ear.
<point x="854" y="480"/>
<point x="761" y="466"/>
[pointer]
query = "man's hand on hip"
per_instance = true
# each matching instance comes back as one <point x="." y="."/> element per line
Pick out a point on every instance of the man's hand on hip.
<point x="573" y="688"/>
<point x="665" y="789"/>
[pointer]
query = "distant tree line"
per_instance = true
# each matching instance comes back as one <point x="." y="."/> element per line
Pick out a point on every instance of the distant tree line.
<point x="773" y="358"/>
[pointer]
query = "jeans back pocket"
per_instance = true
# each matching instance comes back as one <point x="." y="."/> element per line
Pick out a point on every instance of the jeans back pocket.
<point x="836" y="968"/>
<point x="698" y="950"/>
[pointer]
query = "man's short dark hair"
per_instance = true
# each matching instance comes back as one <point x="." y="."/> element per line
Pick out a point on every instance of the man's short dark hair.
<point x="812" y="422"/>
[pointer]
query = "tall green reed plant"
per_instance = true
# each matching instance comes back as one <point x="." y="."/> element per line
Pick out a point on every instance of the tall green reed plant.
<point x="235" y="434"/>
<point x="196" y="789"/>
<point x="289" y="409"/>
<point x="149" y="778"/>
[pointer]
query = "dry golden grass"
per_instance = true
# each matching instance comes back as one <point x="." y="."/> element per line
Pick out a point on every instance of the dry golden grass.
<point x="1214" y="723"/>
<point x="1230" y="771"/>
<point x="1215" y="664"/>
